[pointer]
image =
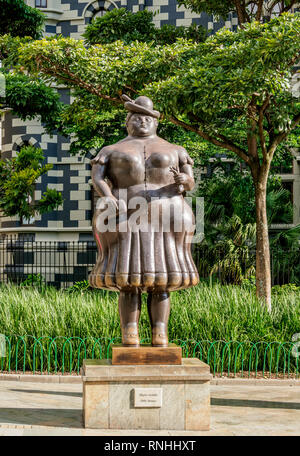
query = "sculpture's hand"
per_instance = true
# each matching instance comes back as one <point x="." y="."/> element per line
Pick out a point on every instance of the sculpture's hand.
<point x="114" y="202"/>
<point x="179" y="178"/>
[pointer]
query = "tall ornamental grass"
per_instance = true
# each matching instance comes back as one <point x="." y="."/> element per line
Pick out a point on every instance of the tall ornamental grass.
<point x="203" y="313"/>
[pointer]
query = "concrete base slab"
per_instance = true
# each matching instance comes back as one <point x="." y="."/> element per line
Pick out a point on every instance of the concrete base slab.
<point x="236" y="409"/>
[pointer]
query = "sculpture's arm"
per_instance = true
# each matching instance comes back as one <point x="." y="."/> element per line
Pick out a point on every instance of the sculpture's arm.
<point x="99" y="169"/>
<point x="185" y="176"/>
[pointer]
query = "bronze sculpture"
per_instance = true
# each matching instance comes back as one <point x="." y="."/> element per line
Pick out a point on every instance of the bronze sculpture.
<point x="154" y="256"/>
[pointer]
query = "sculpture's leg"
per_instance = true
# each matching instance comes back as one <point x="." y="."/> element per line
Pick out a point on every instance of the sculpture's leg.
<point x="130" y="310"/>
<point x="159" y="311"/>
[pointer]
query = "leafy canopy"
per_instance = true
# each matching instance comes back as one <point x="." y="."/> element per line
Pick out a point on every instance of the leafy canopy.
<point x="212" y="88"/>
<point x="19" y="19"/>
<point x="17" y="182"/>
<point x="29" y="97"/>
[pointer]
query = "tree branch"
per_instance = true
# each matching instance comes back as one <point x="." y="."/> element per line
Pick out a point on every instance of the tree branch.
<point x="259" y="10"/>
<point x="270" y="8"/>
<point x="288" y="7"/>
<point x="226" y="143"/>
<point x="55" y="70"/>
<point x="246" y="15"/>
<point x="277" y="139"/>
<point x="241" y="16"/>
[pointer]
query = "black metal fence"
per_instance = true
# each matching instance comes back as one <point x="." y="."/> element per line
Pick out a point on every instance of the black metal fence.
<point x="61" y="264"/>
<point x="56" y="263"/>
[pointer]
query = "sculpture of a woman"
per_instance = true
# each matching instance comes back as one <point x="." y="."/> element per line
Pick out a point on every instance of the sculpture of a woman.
<point x="153" y="256"/>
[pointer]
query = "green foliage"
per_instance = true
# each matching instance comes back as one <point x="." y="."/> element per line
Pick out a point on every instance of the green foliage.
<point x="122" y="24"/>
<point x="17" y="182"/>
<point x="50" y="200"/>
<point x="168" y="34"/>
<point x="208" y="85"/>
<point x="223" y="74"/>
<point x="285" y="290"/>
<point x="245" y="10"/>
<point x="283" y="160"/>
<point x="250" y="283"/>
<point x="227" y="251"/>
<point x="232" y="193"/>
<point x="34" y="280"/>
<point x="9" y="46"/>
<point x="79" y="287"/>
<point x="29" y="97"/>
<point x="90" y="126"/>
<point x="19" y="19"/>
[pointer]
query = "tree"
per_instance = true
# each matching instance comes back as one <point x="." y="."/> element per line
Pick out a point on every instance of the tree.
<point x="17" y="182"/>
<point x="19" y="19"/>
<point x="233" y="90"/>
<point x="246" y="10"/>
<point x="27" y="97"/>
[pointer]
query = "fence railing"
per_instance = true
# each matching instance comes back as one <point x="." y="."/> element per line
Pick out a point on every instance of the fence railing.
<point x="62" y="263"/>
<point x="46" y="355"/>
<point x="57" y="263"/>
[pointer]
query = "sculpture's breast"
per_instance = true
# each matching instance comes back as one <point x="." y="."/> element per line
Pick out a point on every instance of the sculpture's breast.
<point x="126" y="168"/>
<point x="160" y="160"/>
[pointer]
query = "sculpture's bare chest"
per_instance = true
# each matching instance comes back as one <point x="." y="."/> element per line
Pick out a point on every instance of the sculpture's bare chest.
<point x="137" y="162"/>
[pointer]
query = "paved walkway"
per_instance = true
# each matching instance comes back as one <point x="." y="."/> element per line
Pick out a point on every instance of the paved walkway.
<point x="55" y="409"/>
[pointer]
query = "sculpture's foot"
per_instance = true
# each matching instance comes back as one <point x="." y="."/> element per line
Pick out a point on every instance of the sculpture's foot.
<point x="130" y="336"/>
<point x="160" y="336"/>
<point x="129" y="310"/>
<point x="159" y="311"/>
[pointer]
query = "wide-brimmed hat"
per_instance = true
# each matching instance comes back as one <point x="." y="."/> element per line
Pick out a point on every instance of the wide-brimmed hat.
<point x="142" y="105"/>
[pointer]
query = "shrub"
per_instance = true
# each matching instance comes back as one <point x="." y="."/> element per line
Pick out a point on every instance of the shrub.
<point x="121" y="24"/>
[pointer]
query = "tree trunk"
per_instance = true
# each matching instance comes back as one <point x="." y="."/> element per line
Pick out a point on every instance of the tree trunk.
<point x="263" y="267"/>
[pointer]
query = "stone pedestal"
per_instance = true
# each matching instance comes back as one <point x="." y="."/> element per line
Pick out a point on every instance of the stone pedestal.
<point x="154" y="397"/>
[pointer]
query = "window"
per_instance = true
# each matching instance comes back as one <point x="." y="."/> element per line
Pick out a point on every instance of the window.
<point x="41" y="3"/>
<point x="99" y="13"/>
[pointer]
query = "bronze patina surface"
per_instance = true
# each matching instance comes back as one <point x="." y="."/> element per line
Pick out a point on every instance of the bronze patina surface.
<point x="146" y="354"/>
<point x="156" y="257"/>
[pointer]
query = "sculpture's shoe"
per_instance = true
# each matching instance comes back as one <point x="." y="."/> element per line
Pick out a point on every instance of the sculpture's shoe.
<point x="130" y="337"/>
<point x="159" y="336"/>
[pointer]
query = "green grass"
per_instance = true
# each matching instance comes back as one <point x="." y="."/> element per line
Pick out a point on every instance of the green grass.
<point x="201" y="313"/>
